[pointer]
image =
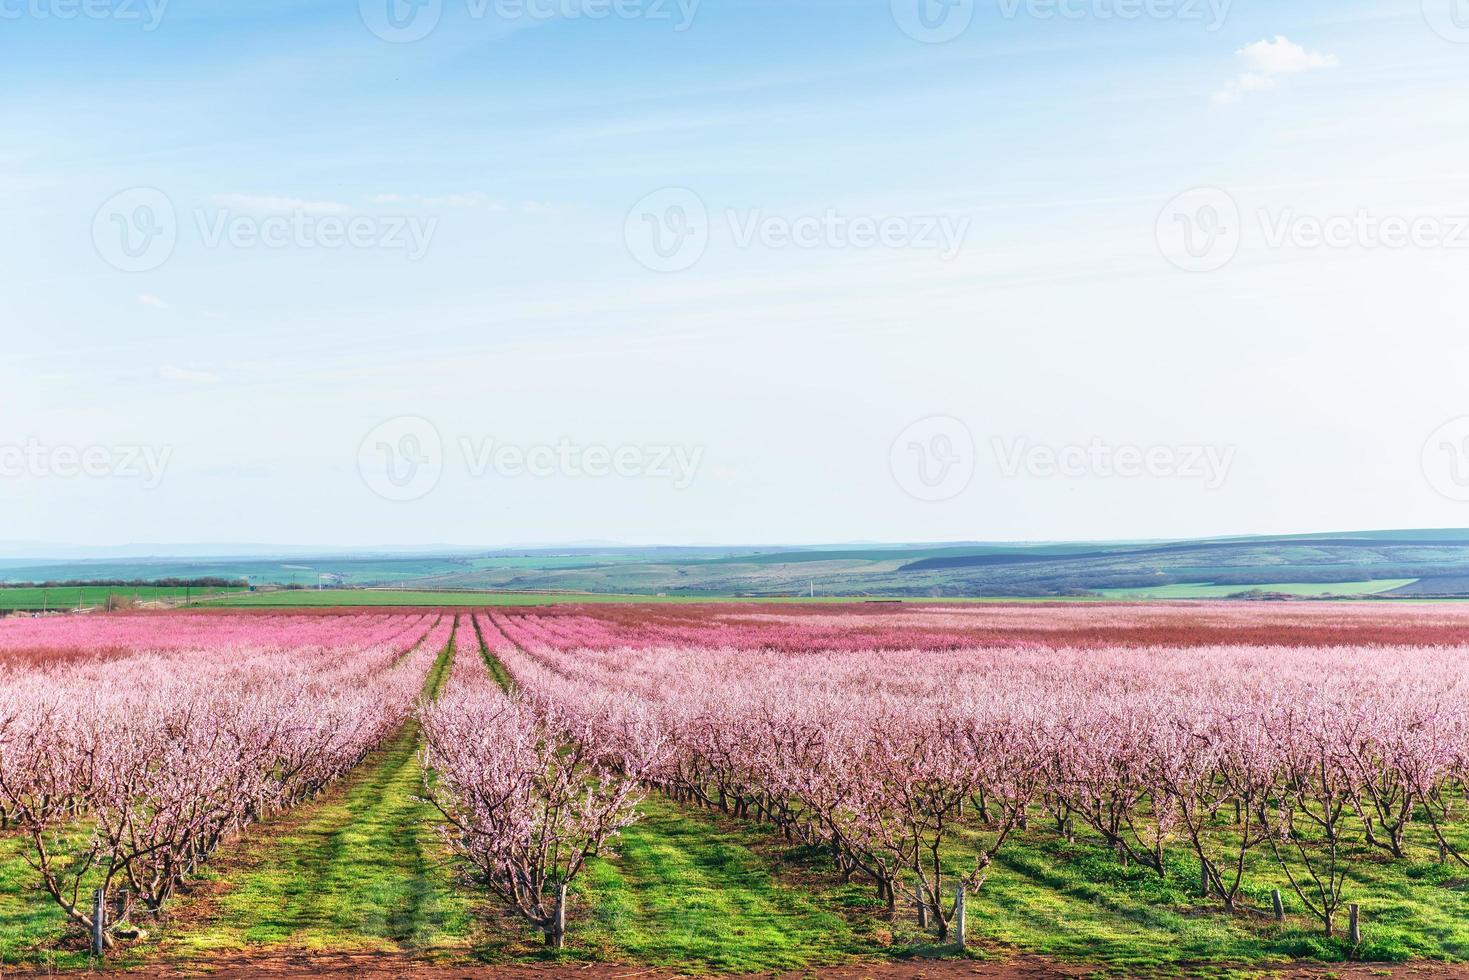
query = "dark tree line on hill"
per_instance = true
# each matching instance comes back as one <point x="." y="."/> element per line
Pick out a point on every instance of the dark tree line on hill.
<point x="117" y="583"/>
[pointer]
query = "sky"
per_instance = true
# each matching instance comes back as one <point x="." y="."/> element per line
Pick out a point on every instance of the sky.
<point x="492" y="272"/>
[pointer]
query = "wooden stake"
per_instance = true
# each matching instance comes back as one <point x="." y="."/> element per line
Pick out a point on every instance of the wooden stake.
<point x="922" y="907"/>
<point x="99" y="921"/>
<point x="556" y="932"/>
<point x="1276" y="901"/>
<point x="959" y="915"/>
<point x="1354" y="924"/>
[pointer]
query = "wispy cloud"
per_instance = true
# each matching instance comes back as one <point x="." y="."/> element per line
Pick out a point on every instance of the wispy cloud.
<point x="472" y="200"/>
<point x="148" y="299"/>
<point x="273" y="204"/>
<point x="1263" y="63"/>
<point x="168" y="372"/>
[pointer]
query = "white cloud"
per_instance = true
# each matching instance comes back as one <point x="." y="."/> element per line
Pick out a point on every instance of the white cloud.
<point x="148" y="299"/>
<point x="274" y="205"/>
<point x="170" y="373"/>
<point x="470" y="199"/>
<point x="1283" y="56"/>
<point x="1264" y="61"/>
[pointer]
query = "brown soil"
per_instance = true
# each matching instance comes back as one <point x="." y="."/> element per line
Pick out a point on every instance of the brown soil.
<point x="385" y="966"/>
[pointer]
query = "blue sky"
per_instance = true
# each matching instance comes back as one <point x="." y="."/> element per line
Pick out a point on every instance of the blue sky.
<point x="518" y="146"/>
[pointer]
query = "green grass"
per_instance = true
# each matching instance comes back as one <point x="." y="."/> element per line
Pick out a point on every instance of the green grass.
<point x="685" y="892"/>
<point x="85" y="596"/>
<point x="703" y="892"/>
<point x="360" y="870"/>
<point x="33" y="928"/>
<point x="1076" y="901"/>
<point x="1206" y="590"/>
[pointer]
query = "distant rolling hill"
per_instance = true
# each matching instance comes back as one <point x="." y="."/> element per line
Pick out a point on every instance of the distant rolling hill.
<point x="1403" y="563"/>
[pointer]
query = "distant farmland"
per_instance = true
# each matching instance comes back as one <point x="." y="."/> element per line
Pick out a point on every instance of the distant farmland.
<point x="1206" y="590"/>
<point x="35" y="599"/>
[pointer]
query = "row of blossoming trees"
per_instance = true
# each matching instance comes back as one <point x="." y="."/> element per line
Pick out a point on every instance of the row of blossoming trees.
<point x="129" y="762"/>
<point x="530" y="787"/>
<point x="1307" y="758"/>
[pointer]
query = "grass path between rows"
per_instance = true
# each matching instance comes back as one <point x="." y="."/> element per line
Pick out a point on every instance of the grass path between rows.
<point x="682" y="890"/>
<point x="361" y="869"/>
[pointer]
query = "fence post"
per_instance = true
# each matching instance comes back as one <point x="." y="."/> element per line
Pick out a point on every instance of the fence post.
<point x="99" y="921"/>
<point x="922" y="906"/>
<point x="959" y="915"/>
<point x="1279" y="905"/>
<point x="1354" y="924"/>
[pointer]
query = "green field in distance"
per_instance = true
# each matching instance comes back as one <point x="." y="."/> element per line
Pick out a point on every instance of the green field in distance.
<point x="29" y="598"/>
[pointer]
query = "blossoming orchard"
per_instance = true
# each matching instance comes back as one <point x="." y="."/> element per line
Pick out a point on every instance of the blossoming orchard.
<point x="1293" y="777"/>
